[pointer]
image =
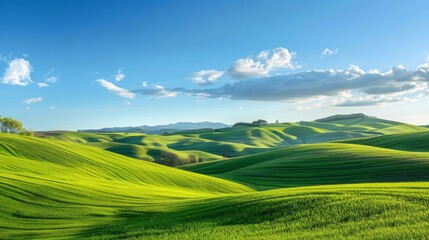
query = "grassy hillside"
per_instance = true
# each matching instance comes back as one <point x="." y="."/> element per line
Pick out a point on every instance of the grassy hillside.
<point x="51" y="185"/>
<point x="418" y="141"/>
<point x="59" y="190"/>
<point x="315" y="164"/>
<point x="84" y="161"/>
<point x="208" y="144"/>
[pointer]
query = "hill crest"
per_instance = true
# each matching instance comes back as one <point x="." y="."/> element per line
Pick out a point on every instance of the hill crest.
<point x="337" y="117"/>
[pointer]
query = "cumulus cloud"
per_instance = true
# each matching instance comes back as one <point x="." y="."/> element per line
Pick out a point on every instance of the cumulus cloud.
<point x="206" y="77"/>
<point x="328" y="52"/>
<point x="115" y="89"/>
<point x="352" y="86"/>
<point x="32" y="100"/>
<point x="18" y="72"/>
<point x="119" y="76"/>
<point x="261" y="65"/>
<point x="156" y="90"/>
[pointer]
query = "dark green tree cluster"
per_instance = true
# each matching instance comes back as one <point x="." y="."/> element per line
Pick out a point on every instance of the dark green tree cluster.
<point x="257" y="123"/>
<point x="11" y="125"/>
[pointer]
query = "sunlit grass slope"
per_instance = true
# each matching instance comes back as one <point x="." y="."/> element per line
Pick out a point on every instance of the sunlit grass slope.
<point x="58" y="190"/>
<point x="215" y="144"/>
<point x="322" y="163"/>
<point x="50" y="186"/>
<point x="85" y="161"/>
<point x="418" y="141"/>
<point x="355" y="211"/>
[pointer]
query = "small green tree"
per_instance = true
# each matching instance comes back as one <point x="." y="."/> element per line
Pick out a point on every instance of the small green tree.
<point x="193" y="159"/>
<point x="26" y="132"/>
<point x="169" y="159"/>
<point x="11" y="125"/>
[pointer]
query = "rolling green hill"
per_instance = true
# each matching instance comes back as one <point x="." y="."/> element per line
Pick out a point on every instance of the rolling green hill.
<point x="418" y="141"/>
<point x="214" y="144"/>
<point x="316" y="164"/>
<point x="53" y="189"/>
<point x="56" y="186"/>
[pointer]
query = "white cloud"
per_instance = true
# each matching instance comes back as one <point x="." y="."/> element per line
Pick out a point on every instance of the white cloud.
<point x="51" y="79"/>
<point x="119" y="76"/>
<point x="18" y="72"/>
<point x="266" y="62"/>
<point x="157" y="90"/>
<point x="52" y="76"/>
<point x="352" y="86"/>
<point x="115" y="89"/>
<point x="206" y="77"/>
<point x="370" y="101"/>
<point x="328" y="52"/>
<point x="42" y="85"/>
<point x="162" y="92"/>
<point x="52" y="107"/>
<point x="32" y="100"/>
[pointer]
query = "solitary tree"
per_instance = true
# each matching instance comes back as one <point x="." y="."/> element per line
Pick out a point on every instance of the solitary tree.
<point x="10" y="125"/>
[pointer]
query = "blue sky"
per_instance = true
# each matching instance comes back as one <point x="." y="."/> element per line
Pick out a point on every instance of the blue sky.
<point x="90" y="64"/>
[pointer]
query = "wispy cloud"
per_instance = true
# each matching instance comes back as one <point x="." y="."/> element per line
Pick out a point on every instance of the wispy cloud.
<point x="119" y="76"/>
<point x="32" y="100"/>
<point x="206" y="77"/>
<point x="18" y="72"/>
<point x="156" y="90"/>
<point x="261" y="65"/>
<point x="49" y="78"/>
<point x="115" y="89"/>
<point x="370" y="101"/>
<point x="52" y="76"/>
<point x="327" y="52"/>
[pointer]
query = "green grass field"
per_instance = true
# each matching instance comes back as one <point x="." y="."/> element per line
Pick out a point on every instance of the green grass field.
<point x="418" y="141"/>
<point x="207" y="145"/>
<point x="373" y="187"/>
<point x="317" y="164"/>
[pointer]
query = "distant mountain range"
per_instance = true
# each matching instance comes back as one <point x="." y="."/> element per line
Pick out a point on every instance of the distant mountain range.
<point x="159" y="129"/>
